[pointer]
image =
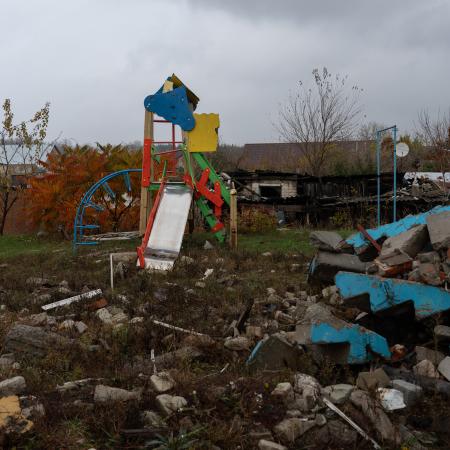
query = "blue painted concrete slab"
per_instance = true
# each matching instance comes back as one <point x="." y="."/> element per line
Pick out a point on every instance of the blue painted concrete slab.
<point x="359" y="339"/>
<point x="172" y="106"/>
<point x="358" y="241"/>
<point x="385" y="293"/>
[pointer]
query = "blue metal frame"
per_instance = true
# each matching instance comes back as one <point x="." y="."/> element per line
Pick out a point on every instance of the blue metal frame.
<point x="86" y="202"/>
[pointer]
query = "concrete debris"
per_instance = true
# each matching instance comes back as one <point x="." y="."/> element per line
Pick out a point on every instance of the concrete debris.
<point x="434" y="356"/>
<point x="439" y="229"/>
<point x="264" y="444"/>
<point x="391" y="399"/>
<point x="410" y="242"/>
<point x="411" y="392"/>
<point x="33" y="341"/>
<point x="442" y="333"/>
<point x="104" y="394"/>
<point x="375" y="414"/>
<point x="370" y="381"/>
<point x="329" y="241"/>
<point x="152" y="419"/>
<point x="444" y="368"/>
<point x="326" y="265"/>
<point x="426" y="368"/>
<point x="12" y="386"/>
<point x="284" y="391"/>
<point x="275" y="353"/>
<point x="338" y="393"/>
<point x="162" y="382"/>
<point x="170" y="404"/>
<point x="289" y="430"/>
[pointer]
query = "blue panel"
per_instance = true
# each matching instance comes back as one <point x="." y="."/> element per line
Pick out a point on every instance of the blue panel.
<point x="172" y="106"/>
<point x="387" y="292"/>
<point x="358" y="338"/>
<point x="394" y="228"/>
<point x="126" y="179"/>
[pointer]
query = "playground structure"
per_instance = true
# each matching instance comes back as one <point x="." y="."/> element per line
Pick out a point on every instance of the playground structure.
<point x="175" y="173"/>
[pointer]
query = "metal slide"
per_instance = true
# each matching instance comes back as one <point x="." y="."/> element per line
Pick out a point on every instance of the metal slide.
<point x="168" y="228"/>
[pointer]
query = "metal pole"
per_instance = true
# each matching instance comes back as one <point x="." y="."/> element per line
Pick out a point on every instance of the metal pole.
<point x="378" y="179"/>
<point x="395" y="175"/>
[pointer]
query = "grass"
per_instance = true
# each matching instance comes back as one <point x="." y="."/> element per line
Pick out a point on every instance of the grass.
<point x="292" y="240"/>
<point x="11" y="246"/>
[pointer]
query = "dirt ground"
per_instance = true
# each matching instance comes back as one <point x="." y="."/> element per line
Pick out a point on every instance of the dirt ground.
<point x="228" y="406"/>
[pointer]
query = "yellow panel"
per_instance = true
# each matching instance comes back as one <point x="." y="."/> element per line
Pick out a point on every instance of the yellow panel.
<point x="204" y="138"/>
<point x="167" y="86"/>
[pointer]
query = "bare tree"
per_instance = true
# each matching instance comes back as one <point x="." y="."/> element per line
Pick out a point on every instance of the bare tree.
<point x="435" y="132"/>
<point x="318" y="117"/>
<point x="22" y="145"/>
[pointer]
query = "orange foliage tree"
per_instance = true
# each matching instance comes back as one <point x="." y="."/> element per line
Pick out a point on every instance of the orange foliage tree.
<point x="69" y="173"/>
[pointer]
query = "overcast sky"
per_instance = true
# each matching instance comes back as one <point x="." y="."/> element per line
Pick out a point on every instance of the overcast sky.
<point x="96" y="60"/>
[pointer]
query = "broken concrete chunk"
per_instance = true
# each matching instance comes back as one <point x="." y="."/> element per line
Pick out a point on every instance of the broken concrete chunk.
<point x="152" y="419"/>
<point x="170" y="404"/>
<point x="423" y="353"/>
<point x="429" y="274"/>
<point x="439" y="230"/>
<point x="289" y="430"/>
<point x="426" y="368"/>
<point x="410" y="242"/>
<point x="32" y="340"/>
<point x="326" y="265"/>
<point x="104" y="393"/>
<point x="162" y="382"/>
<point x="375" y="414"/>
<point x="411" y="392"/>
<point x="325" y="240"/>
<point x="275" y="353"/>
<point x="442" y="333"/>
<point x="12" y="386"/>
<point x="284" y="391"/>
<point x="263" y="444"/>
<point x="370" y="381"/>
<point x="391" y="399"/>
<point x="238" y="343"/>
<point x="338" y="393"/>
<point x="444" y="367"/>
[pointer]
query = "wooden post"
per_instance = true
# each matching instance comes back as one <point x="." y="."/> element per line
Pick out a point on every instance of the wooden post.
<point x="233" y="217"/>
<point x="146" y="197"/>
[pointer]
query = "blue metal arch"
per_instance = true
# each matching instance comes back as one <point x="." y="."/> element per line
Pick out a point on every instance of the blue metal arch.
<point x="78" y="226"/>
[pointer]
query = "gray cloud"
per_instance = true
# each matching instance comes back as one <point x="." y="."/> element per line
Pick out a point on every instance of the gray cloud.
<point x="96" y="61"/>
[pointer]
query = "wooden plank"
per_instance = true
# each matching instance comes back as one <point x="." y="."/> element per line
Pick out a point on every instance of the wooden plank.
<point x="145" y="195"/>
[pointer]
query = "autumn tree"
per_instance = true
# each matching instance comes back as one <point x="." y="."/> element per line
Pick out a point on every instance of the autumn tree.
<point x="69" y="172"/>
<point x="21" y="147"/>
<point x="435" y="133"/>
<point x="319" y="117"/>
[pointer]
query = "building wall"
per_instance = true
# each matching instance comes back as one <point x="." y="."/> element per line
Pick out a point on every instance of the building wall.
<point x="18" y="221"/>
<point x="288" y="187"/>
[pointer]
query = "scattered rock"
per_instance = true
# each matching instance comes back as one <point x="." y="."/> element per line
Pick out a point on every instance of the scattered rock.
<point x="423" y="353"/>
<point x="370" y="381"/>
<point x="13" y="386"/>
<point x="170" y="404"/>
<point x="284" y="391"/>
<point x="81" y="327"/>
<point x="391" y="399"/>
<point x="152" y="419"/>
<point x="33" y="340"/>
<point x="263" y="444"/>
<point x="289" y="430"/>
<point x="411" y="392"/>
<point x="238" y="343"/>
<point x="426" y="369"/>
<point x="444" y="367"/>
<point x="442" y="333"/>
<point x="208" y="246"/>
<point x="439" y="230"/>
<point x="338" y="393"/>
<point x="162" y="382"/>
<point x="104" y="315"/>
<point x="375" y="414"/>
<point x="104" y="393"/>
